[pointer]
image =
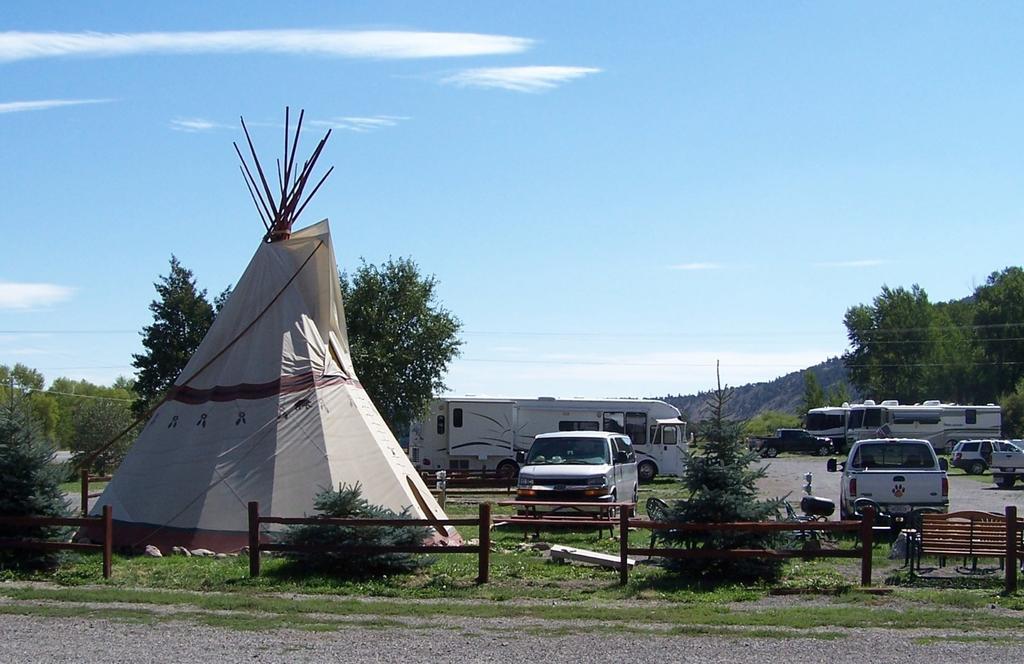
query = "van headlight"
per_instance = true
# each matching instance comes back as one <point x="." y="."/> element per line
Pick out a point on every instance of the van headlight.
<point x="600" y="480"/>
<point x="525" y="482"/>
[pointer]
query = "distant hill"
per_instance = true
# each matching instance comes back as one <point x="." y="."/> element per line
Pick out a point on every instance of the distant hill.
<point x="782" y="394"/>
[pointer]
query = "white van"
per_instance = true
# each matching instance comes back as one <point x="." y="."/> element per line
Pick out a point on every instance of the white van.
<point x="579" y="466"/>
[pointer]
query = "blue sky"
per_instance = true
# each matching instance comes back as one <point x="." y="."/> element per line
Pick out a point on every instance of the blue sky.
<point x="612" y="195"/>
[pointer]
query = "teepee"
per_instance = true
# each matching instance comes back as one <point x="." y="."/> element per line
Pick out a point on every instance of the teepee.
<point x="269" y="408"/>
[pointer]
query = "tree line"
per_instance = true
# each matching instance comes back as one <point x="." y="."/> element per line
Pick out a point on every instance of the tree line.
<point x="904" y="346"/>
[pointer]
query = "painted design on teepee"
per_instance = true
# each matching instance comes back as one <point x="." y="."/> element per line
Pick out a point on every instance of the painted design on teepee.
<point x="269" y="407"/>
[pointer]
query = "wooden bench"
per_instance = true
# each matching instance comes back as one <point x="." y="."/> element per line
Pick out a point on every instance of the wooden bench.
<point x="536" y="514"/>
<point x="969" y="534"/>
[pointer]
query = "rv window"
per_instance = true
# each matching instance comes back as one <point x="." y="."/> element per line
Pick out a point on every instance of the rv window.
<point x="873" y="417"/>
<point x="576" y="425"/>
<point x="614" y="422"/>
<point x="856" y="419"/>
<point x="972" y="416"/>
<point x="457" y="418"/>
<point x="669" y="435"/>
<point x="440" y="423"/>
<point x="636" y="428"/>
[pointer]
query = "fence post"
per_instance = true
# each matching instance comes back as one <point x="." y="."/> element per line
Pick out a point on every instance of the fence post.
<point x="867" y="544"/>
<point x="484" y="555"/>
<point x="624" y="514"/>
<point x="108" y="539"/>
<point x="254" y="539"/>
<point x="1011" y="549"/>
<point x="84" y="474"/>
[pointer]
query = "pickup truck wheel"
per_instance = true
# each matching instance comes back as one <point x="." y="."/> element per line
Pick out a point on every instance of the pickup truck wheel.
<point x="1005" y="481"/>
<point x="770" y="452"/>
<point x="824" y="450"/>
<point x="646" y="471"/>
<point x="976" y="468"/>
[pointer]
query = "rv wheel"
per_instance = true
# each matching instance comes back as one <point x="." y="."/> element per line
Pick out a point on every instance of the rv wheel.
<point x="646" y="471"/>
<point x="508" y="469"/>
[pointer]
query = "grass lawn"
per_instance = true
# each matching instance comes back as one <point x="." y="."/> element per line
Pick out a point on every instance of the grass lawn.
<point x="524" y="584"/>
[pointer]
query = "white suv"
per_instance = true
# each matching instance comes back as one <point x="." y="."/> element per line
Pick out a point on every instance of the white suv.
<point x="975" y="456"/>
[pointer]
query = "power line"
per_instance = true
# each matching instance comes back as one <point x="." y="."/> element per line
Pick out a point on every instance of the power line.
<point x="711" y="364"/>
<point x="629" y="335"/>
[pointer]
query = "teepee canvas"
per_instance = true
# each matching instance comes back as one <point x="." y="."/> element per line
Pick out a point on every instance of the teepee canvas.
<point x="269" y="409"/>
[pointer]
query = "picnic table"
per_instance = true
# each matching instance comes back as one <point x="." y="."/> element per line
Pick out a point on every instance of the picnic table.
<point x="535" y="514"/>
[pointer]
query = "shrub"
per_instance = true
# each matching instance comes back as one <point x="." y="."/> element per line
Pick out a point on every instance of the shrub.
<point x="348" y="503"/>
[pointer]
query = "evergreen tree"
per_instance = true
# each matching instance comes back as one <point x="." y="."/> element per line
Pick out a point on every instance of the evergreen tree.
<point x="814" y="396"/>
<point x="181" y="317"/>
<point x="721" y="487"/>
<point x="348" y="503"/>
<point x="30" y="483"/>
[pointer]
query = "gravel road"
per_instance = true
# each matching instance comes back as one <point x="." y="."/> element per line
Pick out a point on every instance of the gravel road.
<point x="786" y="475"/>
<point x="31" y="639"/>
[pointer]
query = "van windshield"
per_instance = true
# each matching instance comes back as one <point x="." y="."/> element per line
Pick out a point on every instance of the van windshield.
<point x="585" y="451"/>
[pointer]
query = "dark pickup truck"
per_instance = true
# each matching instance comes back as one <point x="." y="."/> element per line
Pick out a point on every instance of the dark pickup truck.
<point x="791" y="440"/>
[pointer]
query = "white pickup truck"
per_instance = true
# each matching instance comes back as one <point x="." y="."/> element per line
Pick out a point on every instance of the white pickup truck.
<point x="1007" y="465"/>
<point x="896" y="476"/>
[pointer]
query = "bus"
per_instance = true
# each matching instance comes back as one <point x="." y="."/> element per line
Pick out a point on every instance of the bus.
<point x="484" y="433"/>
<point x="941" y="424"/>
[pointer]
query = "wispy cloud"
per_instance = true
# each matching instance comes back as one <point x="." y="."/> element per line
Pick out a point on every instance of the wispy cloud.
<point x="45" y="104"/>
<point x="869" y="262"/>
<point x="518" y="79"/>
<point x="381" y="44"/>
<point x="14" y="295"/>
<point x="695" y="266"/>
<point x="360" y="124"/>
<point x="195" y="125"/>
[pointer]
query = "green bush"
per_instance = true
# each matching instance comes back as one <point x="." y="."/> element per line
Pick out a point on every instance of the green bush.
<point x="348" y="503"/>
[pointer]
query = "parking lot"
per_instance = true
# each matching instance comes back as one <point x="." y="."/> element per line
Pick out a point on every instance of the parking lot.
<point x="966" y="492"/>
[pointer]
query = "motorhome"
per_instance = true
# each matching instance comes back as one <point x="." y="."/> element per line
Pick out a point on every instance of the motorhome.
<point x="941" y="424"/>
<point x="484" y="433"/>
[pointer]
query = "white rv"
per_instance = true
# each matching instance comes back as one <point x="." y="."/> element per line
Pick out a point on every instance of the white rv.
<point x="484" y="433"/>
<point x="941" y="424"/>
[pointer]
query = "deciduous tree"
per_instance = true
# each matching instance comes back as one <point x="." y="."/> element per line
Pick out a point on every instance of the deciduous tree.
<point x="401" y="338"/>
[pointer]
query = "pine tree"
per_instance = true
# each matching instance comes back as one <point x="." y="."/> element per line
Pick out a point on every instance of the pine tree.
<point x="181" y="317"/>
<point x="721" y="487"/>
<point x="30" y="484"/>
<point x="348" y="503"/>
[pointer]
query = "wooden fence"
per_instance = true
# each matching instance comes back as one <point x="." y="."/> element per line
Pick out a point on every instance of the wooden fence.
<point x="864" y="528"/>
<point x="472" y="479"/>
<point x="482" y="549"/>
<point x="86" y="479"/>
<point x="105" y="522"/>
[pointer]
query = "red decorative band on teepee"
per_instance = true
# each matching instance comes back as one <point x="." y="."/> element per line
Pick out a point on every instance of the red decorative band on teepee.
<point x="252" y="391"/>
